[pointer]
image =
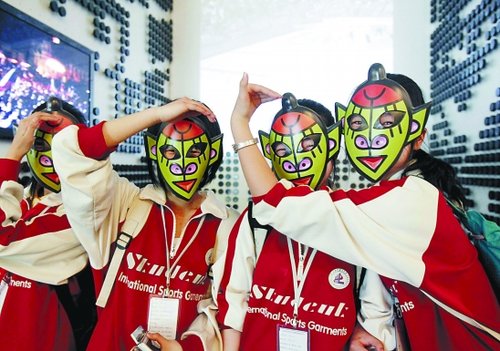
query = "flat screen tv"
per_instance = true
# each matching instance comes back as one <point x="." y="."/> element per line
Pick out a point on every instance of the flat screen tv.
<point x="35" y="63"/>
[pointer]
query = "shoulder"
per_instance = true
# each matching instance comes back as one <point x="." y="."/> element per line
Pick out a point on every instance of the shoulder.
<point x="406" y="186"/>
<point x="214" y="206"/>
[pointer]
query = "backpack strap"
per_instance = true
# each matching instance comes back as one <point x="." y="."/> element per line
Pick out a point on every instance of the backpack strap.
<point x="464" y="318"/>
<point x="463" y="218"/>
<point x="134" y="221"/>
<point x="254" y="224"/>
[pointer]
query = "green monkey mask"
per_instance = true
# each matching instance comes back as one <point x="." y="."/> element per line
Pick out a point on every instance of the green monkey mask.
<point x="185" y="155"/>
<point x="39" y="157"/>
<point x="378" y="123"/>
<point x="299" y="144"/>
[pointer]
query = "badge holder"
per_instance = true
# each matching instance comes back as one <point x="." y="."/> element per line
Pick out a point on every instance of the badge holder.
<point x="163" y="314"/>
<point x="292" y="339"/>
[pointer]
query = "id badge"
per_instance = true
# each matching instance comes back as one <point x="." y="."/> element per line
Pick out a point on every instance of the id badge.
<point x="162" y="316"/>
<point x="291" y="339"/>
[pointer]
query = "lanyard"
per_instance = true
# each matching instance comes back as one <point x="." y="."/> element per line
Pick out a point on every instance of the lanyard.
<point x="172" y="252"/>
<point x="299" y="274"/>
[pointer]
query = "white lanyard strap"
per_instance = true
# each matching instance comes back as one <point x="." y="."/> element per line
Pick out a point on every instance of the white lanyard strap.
<point x="299" y="274"/>
<point x="171" y="252"/>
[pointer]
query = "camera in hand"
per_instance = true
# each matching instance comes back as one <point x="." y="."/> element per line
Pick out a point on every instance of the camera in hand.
<point x="142" y="341"/>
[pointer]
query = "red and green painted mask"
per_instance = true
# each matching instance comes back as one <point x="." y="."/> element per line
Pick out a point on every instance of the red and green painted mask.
<point x="39" y="157"/>
<point x="378" y="122"/>
<point x="299" y="144"/>
<point x="184" y="152"/>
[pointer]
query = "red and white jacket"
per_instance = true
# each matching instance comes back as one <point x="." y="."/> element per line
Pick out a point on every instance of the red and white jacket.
<point x="257" y="291"/>
<point x="31" y="315"/>
<point x="404" y="231"/>
<point x="36" y="243"/>
<point x="97" y="201"/>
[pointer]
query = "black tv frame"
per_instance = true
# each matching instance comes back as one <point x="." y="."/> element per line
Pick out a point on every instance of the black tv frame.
<point x="7" y="133"/>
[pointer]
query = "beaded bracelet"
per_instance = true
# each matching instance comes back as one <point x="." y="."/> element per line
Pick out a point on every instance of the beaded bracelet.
<point x="244" y="144"/>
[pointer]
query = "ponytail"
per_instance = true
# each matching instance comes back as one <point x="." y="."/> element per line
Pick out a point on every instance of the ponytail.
<point x="439" y="173"/>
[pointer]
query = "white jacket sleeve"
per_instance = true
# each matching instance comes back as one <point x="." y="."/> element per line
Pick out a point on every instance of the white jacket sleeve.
<point x="373" y="229"/>
<point x="31" y="249"/>
<point x="11" y="195"/>
<point x="221" y="249"/>
<point x="240" y="265"/>
<point x="376" y="312"/>
<point x="95" y="197"/>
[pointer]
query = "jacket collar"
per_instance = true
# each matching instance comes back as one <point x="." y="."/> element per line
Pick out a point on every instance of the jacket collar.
<point x="210" y="205"/>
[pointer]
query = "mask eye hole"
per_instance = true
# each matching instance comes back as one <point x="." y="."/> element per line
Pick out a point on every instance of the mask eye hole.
<point x="309" y="142"/>
<point x="357" y="122"/>
<point x="281" y="150"/>
<point x="389" y="119"/>
<point x="41" y="145"/>
<point x="170" y="152"/>
<point x="196" y="150"/>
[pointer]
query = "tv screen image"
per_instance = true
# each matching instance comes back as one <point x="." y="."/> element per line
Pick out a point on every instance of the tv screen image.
<point x="37" y="62"/>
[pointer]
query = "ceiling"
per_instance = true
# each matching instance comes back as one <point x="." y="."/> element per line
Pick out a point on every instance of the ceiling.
<point x="230" y="24"/>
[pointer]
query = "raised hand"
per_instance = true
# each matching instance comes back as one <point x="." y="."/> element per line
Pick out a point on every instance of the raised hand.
<point x="183" y="108"/>
<point x="260" y="178"/>
<point x="118" y="130"/>
<point x="250" y="97"/>
<point x="25" y="133"/>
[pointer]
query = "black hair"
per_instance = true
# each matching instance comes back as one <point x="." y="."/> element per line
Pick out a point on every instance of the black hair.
<point x="437" y="172"/>
<point x="68" y="108"/>
<point x="211" y="128"/>
<point x="323" y="112"/>
<point x="412" y="88"/>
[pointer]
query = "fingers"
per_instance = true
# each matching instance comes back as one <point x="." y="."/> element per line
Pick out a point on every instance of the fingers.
<point x="34" y="120"/>
<point x="197" y="106"/>
<point x="163" y="342"/>
<point x="244" y="80"/>
<point x="264" y="94"/>
<point x="155" y="336"/>
<point x="48" y="117"/>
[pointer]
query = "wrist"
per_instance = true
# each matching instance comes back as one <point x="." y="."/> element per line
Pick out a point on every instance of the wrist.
<point x="243" y="144"/>
<point x="241" y="131"/>
<point x="153" y="115"/>
<point x="14" y="155"/>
